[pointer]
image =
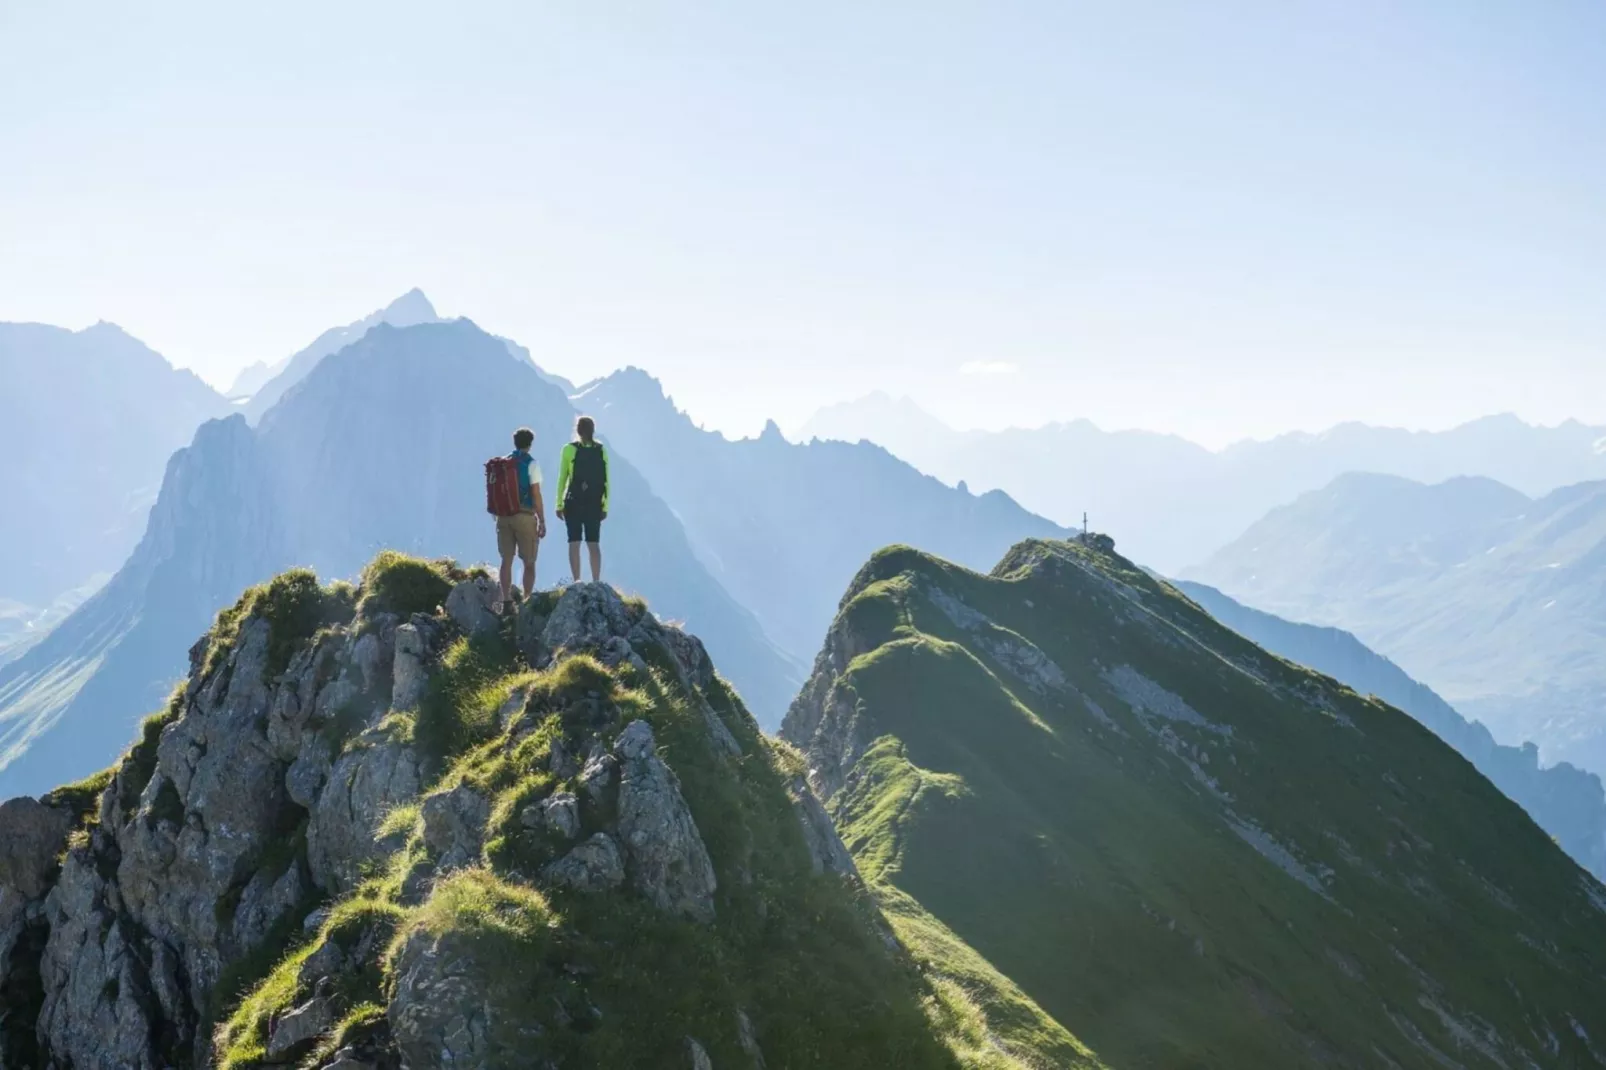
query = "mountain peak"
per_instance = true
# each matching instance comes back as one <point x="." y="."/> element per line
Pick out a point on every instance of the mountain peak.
<point x="572" y="848"/>
<point x="407" y="310"/>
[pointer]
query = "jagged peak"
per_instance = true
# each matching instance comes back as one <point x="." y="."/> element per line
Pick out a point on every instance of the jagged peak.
<point x="410" y="308"/>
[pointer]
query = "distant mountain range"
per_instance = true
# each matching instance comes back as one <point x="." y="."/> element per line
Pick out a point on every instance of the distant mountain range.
<point x="263" y="385"/>
<point x="1494" y="599"/>
<point x="1566" y="802"/>
<point x="88" y="420"/>
<point x="785" y="526"/>
<point x="380" y="446"/>
<point x="1171" y="503"/>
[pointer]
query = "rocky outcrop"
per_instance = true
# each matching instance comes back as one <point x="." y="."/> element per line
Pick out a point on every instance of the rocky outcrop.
<point x="668" y="862"/>
<point x="269" y="793"/>
<point x="257" y="798"/>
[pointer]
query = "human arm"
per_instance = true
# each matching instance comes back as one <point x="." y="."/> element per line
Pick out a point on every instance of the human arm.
<point x="537" y="503"/>
<point x="565" y="473"/>
<point x="607" y="482"/>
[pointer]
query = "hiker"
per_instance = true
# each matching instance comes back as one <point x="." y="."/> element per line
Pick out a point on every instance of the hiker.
<point x="520" y="516"/>
<point x="583" y="495"/>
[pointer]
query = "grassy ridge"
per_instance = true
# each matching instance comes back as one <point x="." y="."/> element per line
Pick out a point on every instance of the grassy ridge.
<point x="607" y="980"/>
<point x="1192" y="853"/>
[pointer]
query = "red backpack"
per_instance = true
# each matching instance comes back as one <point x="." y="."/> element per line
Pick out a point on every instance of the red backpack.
<point x="502" y="486"/>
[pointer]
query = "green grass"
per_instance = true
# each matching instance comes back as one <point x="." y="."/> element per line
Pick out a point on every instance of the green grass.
<point x="609" y="979"/>
<point x="295" y="607"/>
<point x="401" y="584"/>
<point x="1085" y="859"/>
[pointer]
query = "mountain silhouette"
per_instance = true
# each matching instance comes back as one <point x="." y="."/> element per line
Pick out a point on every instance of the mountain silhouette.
<point x="380" y="446"/>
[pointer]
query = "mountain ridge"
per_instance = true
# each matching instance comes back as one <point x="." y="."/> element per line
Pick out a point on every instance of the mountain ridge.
<point x="1566" y="801"/>
<point x="1186" y="850"/>
<point x="1133" y="482"/>
<point x="379" y="826"/>
<point x="1497" y="607"/>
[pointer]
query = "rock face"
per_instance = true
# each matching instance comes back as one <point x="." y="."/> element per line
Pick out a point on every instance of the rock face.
<point x="667" y="860"/>
<point x="300" y="764"/>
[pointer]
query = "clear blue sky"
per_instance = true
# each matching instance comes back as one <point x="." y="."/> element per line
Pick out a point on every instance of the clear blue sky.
<point x="1220" y="219"/>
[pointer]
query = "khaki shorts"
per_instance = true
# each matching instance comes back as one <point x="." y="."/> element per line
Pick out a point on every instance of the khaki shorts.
<point x="516" y="532"/>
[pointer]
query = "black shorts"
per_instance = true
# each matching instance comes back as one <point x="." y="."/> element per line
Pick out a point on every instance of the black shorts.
<point x="584" y="523"/>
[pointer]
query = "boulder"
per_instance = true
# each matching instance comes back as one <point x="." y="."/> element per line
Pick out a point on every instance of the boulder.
<point x="409" y="676"/>
<point x="665" y="856"/>
<point x="587" y="616"/>
<point x="31" y="839"/>
<point x="559" y="814"/>
<point x="593" y="866"/>
<point x="471" y="605"/>
<point x="454" y="827"/>
<point x="300" y="1027"/>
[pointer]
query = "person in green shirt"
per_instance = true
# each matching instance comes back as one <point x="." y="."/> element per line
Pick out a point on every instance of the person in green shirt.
<point x="583" y="495"/>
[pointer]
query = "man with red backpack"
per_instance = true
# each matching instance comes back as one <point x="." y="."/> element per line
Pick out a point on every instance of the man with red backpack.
<point x="513" y="496"/>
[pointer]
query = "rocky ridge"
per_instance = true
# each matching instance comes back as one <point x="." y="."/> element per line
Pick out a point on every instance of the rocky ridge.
<point x="385" y="828"/>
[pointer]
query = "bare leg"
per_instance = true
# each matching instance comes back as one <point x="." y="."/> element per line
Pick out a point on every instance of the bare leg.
<point x="574" y="560"/>
<point x="507" y="578"/>
<point x="596" y="562"/>
<point x="529" y="577"/>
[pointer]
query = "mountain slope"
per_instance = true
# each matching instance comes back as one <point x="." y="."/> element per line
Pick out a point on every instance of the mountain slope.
<point x="783" y="526"/>
<point x="369" y="832"/>
<point x="87" y="421"/>
<point x="381" y="445"/>
<point x="1565" y="801"/>
<point x="1134" y="483"/>
<point x="270" y="384"/>
<point x="1496" y="601"/>
<point x="1189" y="852"/>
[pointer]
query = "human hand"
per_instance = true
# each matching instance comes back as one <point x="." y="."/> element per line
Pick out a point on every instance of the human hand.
<point x="605" y="514"/>
<point x="560" y="514"/>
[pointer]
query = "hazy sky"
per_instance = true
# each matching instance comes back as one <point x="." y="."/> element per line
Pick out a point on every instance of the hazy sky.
<point x="1219" y="219"/>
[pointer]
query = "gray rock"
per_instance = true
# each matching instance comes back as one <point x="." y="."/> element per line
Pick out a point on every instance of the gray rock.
<point x="666" y="858"/>
<point x="300" y="1027"/>
<point x="374" y="777"/>
<point x="345" y="1059"/>
<point x="826" y="849"/>
<point x="32" y="835"/>
<point x="558" y="814"/>
<point x="510" y="709"/>
<point x="454" y="827"/>
<point x="410" y="676"/>
<point x="310" y="771"/>
<point x="373" y="658"/>
<point x="471" y="605"/>
<point x="747" y="1037"/>
<point x="586" y="617"/>
<point x="593" y="866"/>
<point x="598" y="776"/>
<point x="267" y="898"/>
<point x="439" y="1013"/>
<point x="325" y="962"/>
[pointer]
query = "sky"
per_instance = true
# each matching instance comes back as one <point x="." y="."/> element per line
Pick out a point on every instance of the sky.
<point x="1220" y="220"/>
